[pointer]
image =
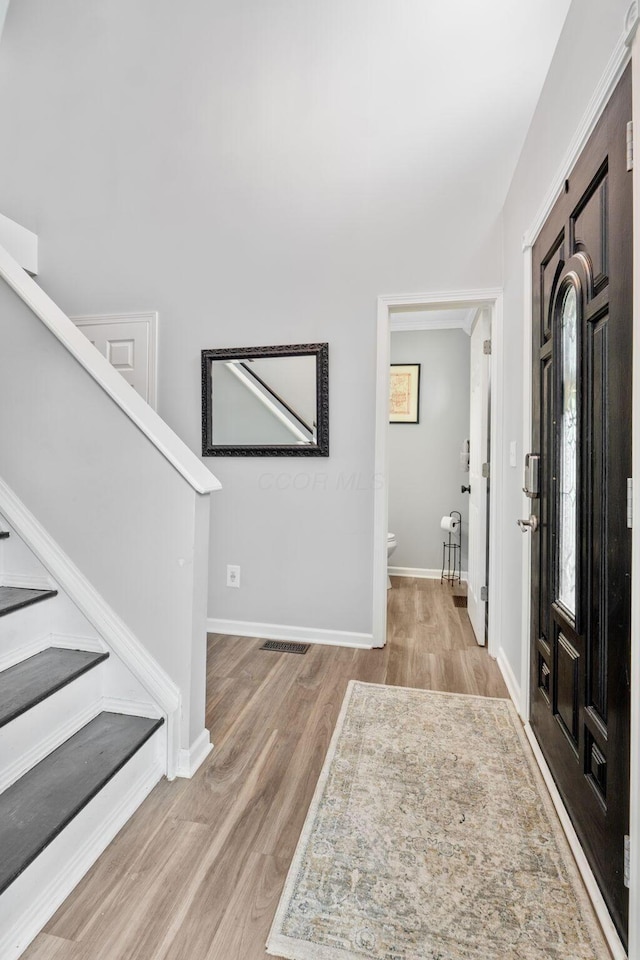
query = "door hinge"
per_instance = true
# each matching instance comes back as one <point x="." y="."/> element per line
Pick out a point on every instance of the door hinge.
<point x="484" y="594"/>
<point x="630" y="145"/>
<point x="627" y="860"/>
<point x="485" y="470"/>
<point x="486" y="346"/>
<point x="630" y="502"/>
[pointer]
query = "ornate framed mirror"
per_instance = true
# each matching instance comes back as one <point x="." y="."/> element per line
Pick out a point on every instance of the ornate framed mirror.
<point x="266" y="401"/>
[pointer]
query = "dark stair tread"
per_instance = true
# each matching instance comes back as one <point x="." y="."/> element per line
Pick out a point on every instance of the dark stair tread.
<point x="30" y="681"/>
<point x="4" y="534"/>
<point x="14" y="598"/>
<point x="36" y="808"/>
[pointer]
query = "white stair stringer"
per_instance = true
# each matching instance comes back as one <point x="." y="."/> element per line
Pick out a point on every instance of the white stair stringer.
<point x="32" y="899"/>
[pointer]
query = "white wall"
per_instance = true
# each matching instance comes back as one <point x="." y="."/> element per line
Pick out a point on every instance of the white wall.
<point x="230" y="166"/>
<point x="424" y="458"/>
<point x="590" y="34"/>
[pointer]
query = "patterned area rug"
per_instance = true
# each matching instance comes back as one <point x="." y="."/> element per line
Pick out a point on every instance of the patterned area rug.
<point x="431" y="837"/>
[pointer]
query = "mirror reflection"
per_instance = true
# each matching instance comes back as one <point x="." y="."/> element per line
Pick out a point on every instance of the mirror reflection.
<point x="266" y="400"/>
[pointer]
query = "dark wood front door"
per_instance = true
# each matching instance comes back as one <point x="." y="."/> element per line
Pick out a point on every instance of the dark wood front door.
<point x="581" y="551"/>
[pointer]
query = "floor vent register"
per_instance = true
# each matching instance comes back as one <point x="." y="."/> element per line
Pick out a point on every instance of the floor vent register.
<point x="285" y="646"/>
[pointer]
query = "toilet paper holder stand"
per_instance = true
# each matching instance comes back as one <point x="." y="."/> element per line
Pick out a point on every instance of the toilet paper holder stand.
<point x="452" y="552"/>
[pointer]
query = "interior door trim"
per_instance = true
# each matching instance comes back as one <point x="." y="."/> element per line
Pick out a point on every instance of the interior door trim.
<point x="454" y="299"/>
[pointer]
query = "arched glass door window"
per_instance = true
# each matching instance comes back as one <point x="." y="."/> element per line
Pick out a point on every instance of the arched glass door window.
<point x="567" y="453"/>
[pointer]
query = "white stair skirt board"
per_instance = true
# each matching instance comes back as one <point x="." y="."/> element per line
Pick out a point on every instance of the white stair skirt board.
<point x="33" y="735"/>
<point x="33" y="898"/>
<point x="509" y="678"/>
<point x="100" y="615"/>
<point x="189" y="760"/>
<point x="277" y="631"/>
<point x="613" y="940"/>
<point x="420" y="573"/>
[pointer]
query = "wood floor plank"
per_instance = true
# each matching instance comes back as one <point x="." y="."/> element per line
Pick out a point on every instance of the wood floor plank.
<point x="226" y="699"/>
<point x="210" y="888"/>
<point x="46" y="947"/>
<point x="197" y="873"/>
<point x="148" y="896"/>
<point x="280" y="833"/>
<point x="132" y="846"/>
<point x="247" y="920"/>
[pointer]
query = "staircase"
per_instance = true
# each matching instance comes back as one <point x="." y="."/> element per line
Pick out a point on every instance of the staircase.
<point x="81" y="745"/>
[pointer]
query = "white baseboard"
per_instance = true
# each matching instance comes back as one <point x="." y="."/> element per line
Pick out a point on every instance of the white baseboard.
<point x="420" y="573"/>
<point x="77" y="847"/>
<point x="277" y="631"/>
<point x="510" y="679"/>
<point x="611" y="934"/>
<point x="189" y="760"/>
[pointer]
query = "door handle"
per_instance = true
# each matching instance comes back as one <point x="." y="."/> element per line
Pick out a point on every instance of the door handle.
<point x="465" y="489"/>
<point x="530" y="524"/>
<point x="532" y="475"/>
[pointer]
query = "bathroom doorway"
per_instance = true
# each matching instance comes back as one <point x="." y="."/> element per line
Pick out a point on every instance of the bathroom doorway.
<point x="428" y="473"/>
<point x="464" y="319"/>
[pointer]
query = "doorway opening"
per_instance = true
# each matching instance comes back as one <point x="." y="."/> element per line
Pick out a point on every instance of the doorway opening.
<point x="479" y="311"/>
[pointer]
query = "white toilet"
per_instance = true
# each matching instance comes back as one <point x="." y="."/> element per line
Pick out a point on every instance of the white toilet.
<point x="392" y="543"/>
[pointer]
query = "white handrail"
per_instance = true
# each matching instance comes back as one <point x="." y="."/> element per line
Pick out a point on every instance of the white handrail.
<point x="130" y="402"/>
<point x="21" y="243"/>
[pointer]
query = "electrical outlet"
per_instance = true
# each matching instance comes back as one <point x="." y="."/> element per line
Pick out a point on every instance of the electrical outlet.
<point x="233" y="575"/>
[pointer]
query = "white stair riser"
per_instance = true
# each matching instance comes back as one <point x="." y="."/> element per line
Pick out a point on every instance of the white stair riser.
<point x="21" y="628"/>
<point x="34" y="734"/>
<point x="35" y="895"/>
<point x="18" y="561"/>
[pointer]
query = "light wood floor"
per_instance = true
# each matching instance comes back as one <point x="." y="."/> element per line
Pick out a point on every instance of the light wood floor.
<point x="198" y="871"/>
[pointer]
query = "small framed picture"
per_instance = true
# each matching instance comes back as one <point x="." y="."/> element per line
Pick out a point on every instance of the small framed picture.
<point x="404" y="393"/>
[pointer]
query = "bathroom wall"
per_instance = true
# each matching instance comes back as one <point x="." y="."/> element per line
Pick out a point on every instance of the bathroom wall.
<point x="425" y="475"/>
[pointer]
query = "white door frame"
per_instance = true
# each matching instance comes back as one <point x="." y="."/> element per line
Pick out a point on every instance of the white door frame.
<point x="450" y="300"/>
<point x="628" y="46"/>
<point x="476" y="606"/>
